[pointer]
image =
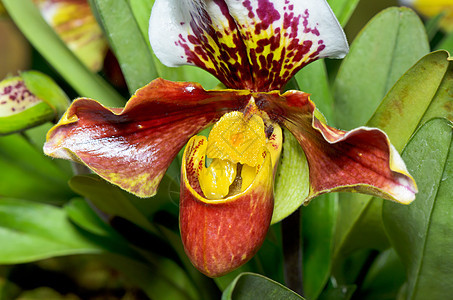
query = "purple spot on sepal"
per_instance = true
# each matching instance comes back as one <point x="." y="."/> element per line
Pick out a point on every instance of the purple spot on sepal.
<point x="249" y="7"/>
<point x="267" y="14"/>
<point x="7" y="90"/>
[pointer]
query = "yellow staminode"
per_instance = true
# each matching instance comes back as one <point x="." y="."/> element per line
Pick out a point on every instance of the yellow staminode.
<point x="215" y="180"/>
<point x="232" y="146"/>
<point x="237" y="139"/>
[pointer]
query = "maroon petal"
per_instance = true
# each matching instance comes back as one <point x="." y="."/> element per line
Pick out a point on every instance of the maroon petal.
<point x="133" y="147"/>
<point x="361" y="160"/>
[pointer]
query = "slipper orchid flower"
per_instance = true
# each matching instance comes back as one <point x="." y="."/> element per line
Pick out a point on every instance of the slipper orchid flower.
<point x="253" y="47"/>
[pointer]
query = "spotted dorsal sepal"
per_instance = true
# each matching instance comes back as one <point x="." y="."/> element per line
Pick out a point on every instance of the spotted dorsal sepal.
<point x="248" y="44"/>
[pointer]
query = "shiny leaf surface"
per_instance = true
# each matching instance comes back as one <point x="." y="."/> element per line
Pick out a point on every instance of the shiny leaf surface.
<point x="30" y="231"/>
<point x="421" y="232"/>
<point x="255" y="286"/>
<point x="41" y="179"/>
<point x="390" y="43"/>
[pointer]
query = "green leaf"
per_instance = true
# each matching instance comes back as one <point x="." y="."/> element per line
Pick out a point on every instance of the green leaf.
<point x="318" y="228"/>
<point x="421" y="232"/>
<point x="343" y="9"/>
<point x="31" y="231"/>
<point x="26" y="173"/>
<point x="313" y="79"/>
<point x="423" y="93"/>
<point x="81" y="214"/>
<point x="255" y="286"/>
<point x="110" y="199"/>
<point x="28" y="18"/>
<point x="292" y="172"/>
<point x="142" y="12"/>
<point x="389" y="44"/>
<point x="127" y="42"/>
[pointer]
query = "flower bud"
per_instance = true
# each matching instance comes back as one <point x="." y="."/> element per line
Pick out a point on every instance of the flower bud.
<point x="29" y="100"/>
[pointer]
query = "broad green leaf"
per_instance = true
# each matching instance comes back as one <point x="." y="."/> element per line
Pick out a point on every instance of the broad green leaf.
<point x="79" y="211"/>
<point x="318" y="228"/>
<point x="31" y="231"/>
<point x="423" y="93"/>
<point x="110" y="199"/>
<point x="292" y="172"/>
<point x="255" y="286"/>
<point x="389" y="44"/>
<point x="28" y="18"/>
<point x="343" y="9"/>
<point x="421" y="232"/>
<point x="313" y="79"/>
<point x="127" y="42"/>
<point x="26" y="173"/>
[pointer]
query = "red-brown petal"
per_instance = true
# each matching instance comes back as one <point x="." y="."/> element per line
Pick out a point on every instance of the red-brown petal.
<point x="361" y="160"/>
<point x="221" y="235"/>
<point x="133" y="147"/>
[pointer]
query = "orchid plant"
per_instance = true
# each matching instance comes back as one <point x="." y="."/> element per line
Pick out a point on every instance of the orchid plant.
<point x="231" y="142"/>
<point x="253" y="48"/>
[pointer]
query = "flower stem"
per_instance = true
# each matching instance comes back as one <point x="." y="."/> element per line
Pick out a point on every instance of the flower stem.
<point x="292" y="252"/>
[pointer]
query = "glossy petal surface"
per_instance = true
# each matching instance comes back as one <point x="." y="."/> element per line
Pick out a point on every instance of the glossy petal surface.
<point x="247" y="44"/>
<point x="133" y="147"/>
<point x="361" y="160"/>
<point x="221" y="235"/>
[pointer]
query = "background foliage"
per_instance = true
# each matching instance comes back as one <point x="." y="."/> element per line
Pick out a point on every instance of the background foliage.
<point x="397" y="77"/>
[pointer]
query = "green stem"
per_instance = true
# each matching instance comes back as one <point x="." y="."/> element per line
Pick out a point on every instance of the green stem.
<point x="292" y="252"/>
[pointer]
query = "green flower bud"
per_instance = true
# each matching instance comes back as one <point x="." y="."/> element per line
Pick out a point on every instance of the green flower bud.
<point x="29" y="100"/>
